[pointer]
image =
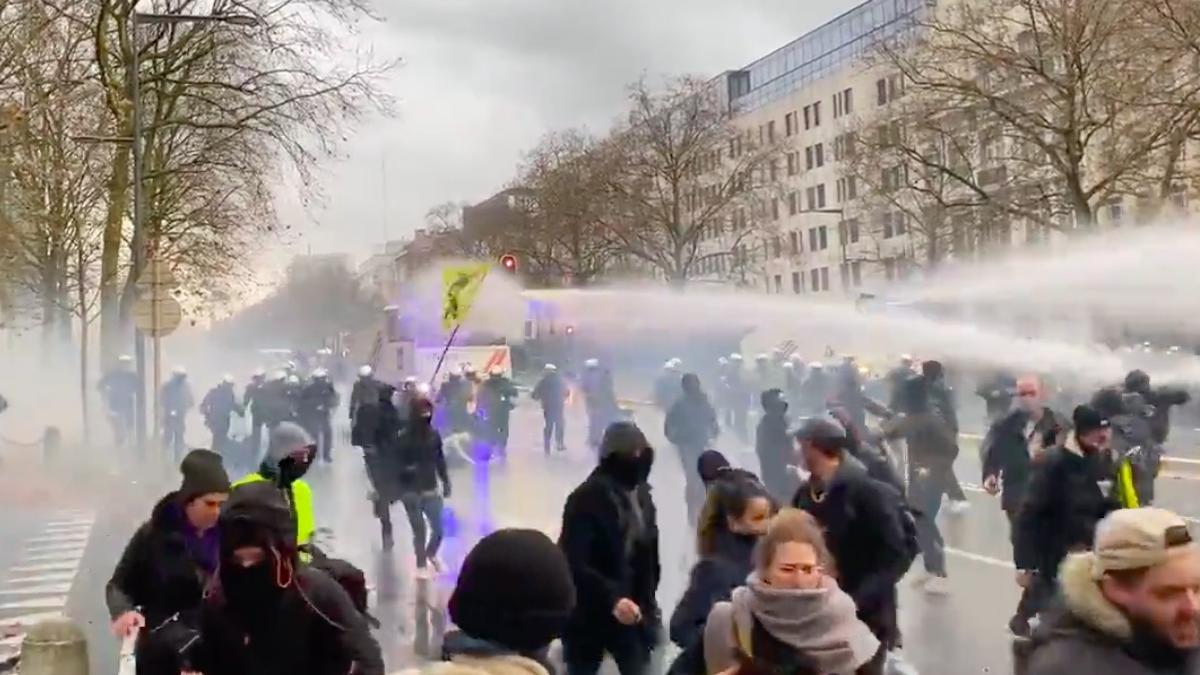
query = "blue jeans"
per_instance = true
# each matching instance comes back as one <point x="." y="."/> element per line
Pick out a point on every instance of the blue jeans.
<point x="422" y="507"/>
<point x="925" y="490"/>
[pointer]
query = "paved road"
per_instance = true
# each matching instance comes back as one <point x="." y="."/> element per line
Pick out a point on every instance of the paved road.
<point x="962" y="633"/>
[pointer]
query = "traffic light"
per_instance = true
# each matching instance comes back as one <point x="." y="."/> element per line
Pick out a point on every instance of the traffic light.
<point x="508" y="261"/>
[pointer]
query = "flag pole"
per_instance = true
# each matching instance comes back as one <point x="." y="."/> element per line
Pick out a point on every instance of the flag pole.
<point x="442" y="358"/>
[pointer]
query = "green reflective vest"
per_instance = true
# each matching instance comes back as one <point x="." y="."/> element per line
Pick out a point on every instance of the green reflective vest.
<point x="301" y="501"/>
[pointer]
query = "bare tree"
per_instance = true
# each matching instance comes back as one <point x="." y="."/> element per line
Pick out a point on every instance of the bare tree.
<point x="566" y="198"/>
<point x="225" y="109"/>
<point x="1057" y="100"/>
<point x="686" y="174"/>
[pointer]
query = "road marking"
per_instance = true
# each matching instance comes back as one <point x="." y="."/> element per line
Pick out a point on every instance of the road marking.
<point x="55" y="550"/>
<point x="63" y="557"/>
<point x="41" y="579"/>
<point x="53" y="602"/>
<point x="994" y="562"/>
<point x="59" y="539"/>
<point x="48" y="567"/>
<point x="26" y="620"/>
<point x="37" y="590"/>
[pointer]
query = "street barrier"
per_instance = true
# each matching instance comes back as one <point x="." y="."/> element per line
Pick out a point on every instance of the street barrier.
<point x="54" y="647"/>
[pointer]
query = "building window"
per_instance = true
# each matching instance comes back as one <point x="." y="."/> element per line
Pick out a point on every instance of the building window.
<point x="844" y="270"/>
<point x="814" y="156"/>
<point x="823" y="236"/>
<point x="844" y="146"/>
<point x="847" y="188"/>
<point x="886" y="225"/>
<point x="815" y="276"/>
<point x="771" y="131"/>
<point x="812" y="239"/>
<point x="789" y="124"/>
<point x="774" y="208"/>
<point x="852" y="230"/>
<point x="892" y="179"/>
<point x="881" y="96"/>
<point x="774" y="170"/>
<point x="778" y="283"/>
<point x="808" y="117"/>
<point x="776" y="247"/>
<point x="843" y="103"/>
<point x="793" y="163"/>
<point x="824" y="278"/>
<point x="795" y="239"/>
<point x="809" y="158"/>
<point x="797" y="284"/>
<point x="820" y="154"/>
<point x="856" y="273"/>
<point x="889" y="89"/>
<point x="901" y="222"/>
<point x="811" y="193"/>
<point x="793" y="203"/>
<point x="821" y="196"/>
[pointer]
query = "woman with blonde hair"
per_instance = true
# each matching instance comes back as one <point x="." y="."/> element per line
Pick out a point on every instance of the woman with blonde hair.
<point x="791" y="618"/>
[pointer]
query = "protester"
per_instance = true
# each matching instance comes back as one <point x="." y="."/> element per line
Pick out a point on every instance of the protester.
<point x="610" y="538"/>
<point x="791" y="617"/>
<point x="773" y="444"/>
<point x="1129" y="605"/>
<point x="942" y="403"/>
<point x="1161" y="400"/>
<point x="690" y="426"/>
<point x="497" y="399"/>
<point x="551" y="391"/>
<point x="734" y="516"/>
<point x="424" y="483"/>
<point x="513" y="598"/>
<point x="1071" y="489"/>
<point x="160" y="579"/>
<point x="270" y="614"/>
<point x="318" y="400"/>
<point x="862" y="519"/>
<point x="218" y="406"/>
<point x="290" y="453"/>
<point x="382" y="458"/>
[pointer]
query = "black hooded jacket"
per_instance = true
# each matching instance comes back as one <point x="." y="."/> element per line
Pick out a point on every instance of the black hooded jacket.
<point x="160" y="576"/>
<point x="604" y="565"/>
<point x="1006" y="452"/>
<point x="773" y="444"/>
<point x="313" y="626"/>
<point x="420" y="456"/>
<point x="692" y="422"/>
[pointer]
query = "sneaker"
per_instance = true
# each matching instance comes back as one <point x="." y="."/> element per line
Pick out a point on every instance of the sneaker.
<point x="423" y="574"/>
<point x="937" y="586"/>
<point x="958" y="508"/>
<point x="919" y="578"/>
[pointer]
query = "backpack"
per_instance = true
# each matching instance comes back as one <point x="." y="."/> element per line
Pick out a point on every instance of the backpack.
<point x="894" y="496"/>
<point x="351" y="579"/>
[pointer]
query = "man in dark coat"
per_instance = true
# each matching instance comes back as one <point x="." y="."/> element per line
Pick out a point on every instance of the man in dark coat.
<point x="551" y="391"/>
<point x="424" y="482"/>
<point x="1161" y="398"/>
<point x="997" y="393"/>
<point x="1072" y="488"/>
<point x="691" y="425"/>
<point x="159" y="582"/>
<point x="218" y="406"/>
<point x="773" y="444"/>
<point x="862" y="525"/>
<point x="382" y="457"/>
<point x="318" y="400"/>
<point x="1128" y="605"/>
<point x="364" y="408"/>
<point x="269" y="614"/>
<point x="610" y="538"/>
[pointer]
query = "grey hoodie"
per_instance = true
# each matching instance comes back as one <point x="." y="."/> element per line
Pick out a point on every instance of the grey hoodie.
<point x="821" y="624"/>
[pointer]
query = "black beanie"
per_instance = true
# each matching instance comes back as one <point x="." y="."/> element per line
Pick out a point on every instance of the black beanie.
<point x="203" y="474"/>
<point x="515" y="589"/>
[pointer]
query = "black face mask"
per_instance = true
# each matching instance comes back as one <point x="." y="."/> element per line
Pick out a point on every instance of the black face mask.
<point x="645" y="462"/>
<point x="626" y="471"/>
<point x="292" y="470"/>
<point x="250" y="589"/>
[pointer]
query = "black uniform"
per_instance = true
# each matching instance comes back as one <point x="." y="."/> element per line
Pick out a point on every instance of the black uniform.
<point x="454" y="397"/>
<point x="601" y="399"/>
<point x="551" y="391"/>
<point x="219" y="404"/>
<point x="318" y="400"/>
<point x="774" y="447"/>
<point x="691" y="426"/>
<point x="162" y="575"/>
<point x="251" y="403"/>
<point x="177" y="401"/>
<point x="119" y="389"/>
<point x="381" y="453"/>
<point x="497" y="398"/>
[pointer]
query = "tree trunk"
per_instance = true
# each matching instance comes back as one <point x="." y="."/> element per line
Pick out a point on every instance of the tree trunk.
<point x="110" y="257"/>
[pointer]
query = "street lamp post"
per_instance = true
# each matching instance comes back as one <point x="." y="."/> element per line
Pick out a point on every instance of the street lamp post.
<point x="136" y="20"/>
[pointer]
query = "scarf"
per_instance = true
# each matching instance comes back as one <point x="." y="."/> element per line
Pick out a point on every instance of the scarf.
<point x="203" y="548"/>
<point x="821" y="623"/>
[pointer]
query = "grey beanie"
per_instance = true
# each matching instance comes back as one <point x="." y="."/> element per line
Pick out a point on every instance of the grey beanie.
<point x="203" y="474"/>
<point x="286" y="439"/>
<point x="622" y="438"/>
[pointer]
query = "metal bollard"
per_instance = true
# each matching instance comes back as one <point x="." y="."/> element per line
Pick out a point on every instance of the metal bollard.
<point x="54" y="647"/>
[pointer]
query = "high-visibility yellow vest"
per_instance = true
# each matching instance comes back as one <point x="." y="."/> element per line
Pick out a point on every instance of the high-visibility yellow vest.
<point x="1127" y="495"/>
<point x="301" y="499"/>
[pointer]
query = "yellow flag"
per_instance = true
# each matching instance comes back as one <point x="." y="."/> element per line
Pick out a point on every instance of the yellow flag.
<point x="460" y="286"/>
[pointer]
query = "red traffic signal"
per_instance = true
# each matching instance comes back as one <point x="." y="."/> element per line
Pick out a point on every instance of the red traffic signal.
<point x="509" y="262"/>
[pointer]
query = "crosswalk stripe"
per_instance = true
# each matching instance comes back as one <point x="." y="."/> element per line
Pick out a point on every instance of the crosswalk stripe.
<point x="55" y="602"/>
<point x="14" y="622"/>
<point x="40" y="579"/>
<point x="37" y="590"/>
<point x="61" y="566"/>
<point x="63" y="557"/>
<point x="56" y="524"/>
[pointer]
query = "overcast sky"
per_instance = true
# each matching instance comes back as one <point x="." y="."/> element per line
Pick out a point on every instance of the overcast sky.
<point x="483" y="80"/>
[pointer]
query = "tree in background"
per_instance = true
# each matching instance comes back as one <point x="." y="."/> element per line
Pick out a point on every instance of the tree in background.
<point x="684" y="174"/>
